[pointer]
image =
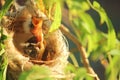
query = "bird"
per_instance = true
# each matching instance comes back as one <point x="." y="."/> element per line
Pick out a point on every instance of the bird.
<point x="36" y="30"/>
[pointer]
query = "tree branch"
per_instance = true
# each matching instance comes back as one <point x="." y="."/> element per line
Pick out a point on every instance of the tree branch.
<point x="81" y="50"/>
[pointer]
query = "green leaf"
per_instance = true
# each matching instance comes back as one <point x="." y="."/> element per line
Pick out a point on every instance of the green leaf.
<point x="104" y="18"/>
<point x="3" y="67"/>
<point x="115" y="52"/>
<point x="77" y="5"/>
<point x="88" y="22"/>
<point x="72" y="57"/>
<point x="2" y="50"/>
<point x="36" y="73"/>
<point x="49" y="4"/>
<point x="84" y="24"/>
<point x="3" y="59"/>
<point x="113" y="68"/>
<point x="5" y="8"/>
<point x="91" y="41"/>
<point x="57" y="18"/>
<point x="3" y="37"/>
<point x="111" y="34"/>
<point x="96" y="4"/>
<point x="80" y="73"/>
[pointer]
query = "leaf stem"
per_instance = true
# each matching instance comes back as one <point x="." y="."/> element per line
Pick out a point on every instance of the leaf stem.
<point x="74" y="60"/>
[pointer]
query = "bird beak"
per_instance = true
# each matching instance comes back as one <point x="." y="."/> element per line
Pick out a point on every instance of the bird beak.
<point x="37" y="28"/>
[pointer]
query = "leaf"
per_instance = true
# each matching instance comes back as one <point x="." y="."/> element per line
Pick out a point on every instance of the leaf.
<point x="100" y="10"/>
<point x="113" y="68"/>
<point x="5" y="8"/>
<point x="115" y="52"/>
<point x="3" y="37"/>
<point x="88" y="22"/>
<point x="96" y="4"/>
<point x="36" y="73"/>
<point x="72" y="57"/>
<point x="2" y="50"/>
<point x="57" y="18"/>
<point x="77" y="5"/>
<point x="3" y="67"/>
<point x="91" y="43"/>
<point x="104" y="18"/>
<point x="80" y="73"/>
<point x="3" y="60"/>
<point x="111" y="34"/>
<point x="85" y="25"/>
<point x="49" y="4"/>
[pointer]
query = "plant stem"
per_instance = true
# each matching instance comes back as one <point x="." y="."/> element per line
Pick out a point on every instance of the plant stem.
<point x="81" y="50"/>
<point x="74" y="60"/>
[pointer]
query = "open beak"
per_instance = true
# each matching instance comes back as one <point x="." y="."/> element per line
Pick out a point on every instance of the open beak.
<point x="37" y="28"/>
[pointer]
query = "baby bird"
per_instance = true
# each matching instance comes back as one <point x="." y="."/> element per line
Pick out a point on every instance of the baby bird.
<point x="36" y="30"/>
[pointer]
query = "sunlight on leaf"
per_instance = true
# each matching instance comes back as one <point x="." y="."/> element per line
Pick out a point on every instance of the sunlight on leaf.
<point x="96" y="4"/>
<point x="104" y="18"/>
<point x="115" y="52"/>
<point x="57" y="18"/>
<point x="100" y="10"/>
<point x="111" y="34"/>
<point x="3" y="67"/>
<point x="2" y="50"/>
<point x="113" y="69"/>
<point x="80" y="5"/>
<point x="49" y="4"/>
<point x="89" y="24"/>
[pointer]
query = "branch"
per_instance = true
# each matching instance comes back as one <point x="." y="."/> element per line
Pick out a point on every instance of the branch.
<point x="81" y="50"/>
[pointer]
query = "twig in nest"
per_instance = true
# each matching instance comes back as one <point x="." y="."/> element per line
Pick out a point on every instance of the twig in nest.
<point x="81" y="50"/>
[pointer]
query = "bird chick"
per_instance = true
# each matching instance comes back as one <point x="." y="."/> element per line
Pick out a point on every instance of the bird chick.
<point x="36" y="30"/>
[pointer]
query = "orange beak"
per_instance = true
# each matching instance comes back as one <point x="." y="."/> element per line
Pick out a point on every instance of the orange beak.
<point x="37" y="28"/>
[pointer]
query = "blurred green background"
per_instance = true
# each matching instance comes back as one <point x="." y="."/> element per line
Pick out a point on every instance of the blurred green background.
<point x="112" y="9"/>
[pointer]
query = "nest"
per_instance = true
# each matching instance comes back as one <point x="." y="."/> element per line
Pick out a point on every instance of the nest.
<point x="21" y="47"/>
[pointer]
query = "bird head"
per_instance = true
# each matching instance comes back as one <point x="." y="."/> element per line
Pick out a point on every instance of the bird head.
<point x="36" y="30"/>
